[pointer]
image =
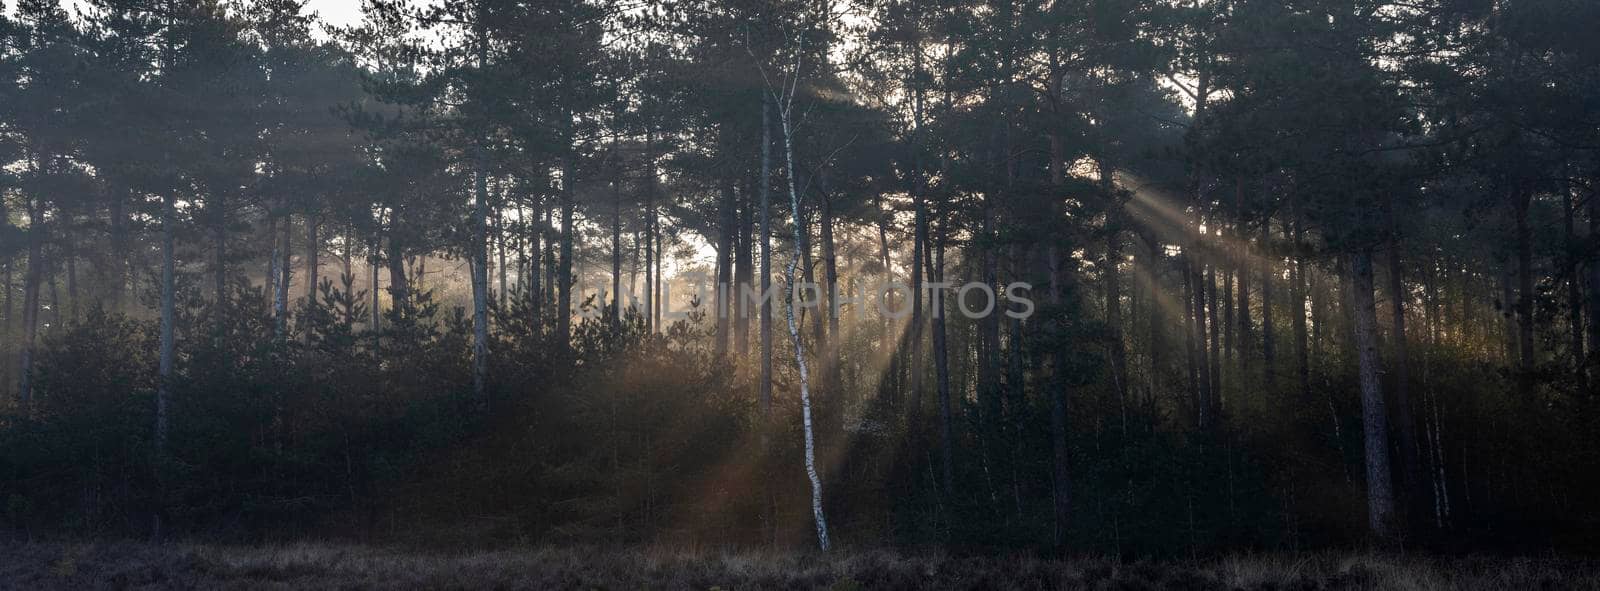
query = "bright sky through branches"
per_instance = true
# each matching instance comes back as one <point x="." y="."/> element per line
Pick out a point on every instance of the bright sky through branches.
<point x="337" y="12"/>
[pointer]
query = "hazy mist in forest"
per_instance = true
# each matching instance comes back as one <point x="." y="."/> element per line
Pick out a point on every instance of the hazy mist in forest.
<point x="1065" y="286"/>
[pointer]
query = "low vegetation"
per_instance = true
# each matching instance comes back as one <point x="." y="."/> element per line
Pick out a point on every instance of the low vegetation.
<point x="324" y="566"/>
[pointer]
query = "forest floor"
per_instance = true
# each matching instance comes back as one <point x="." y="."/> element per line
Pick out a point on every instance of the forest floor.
<point x="121" y="565"/>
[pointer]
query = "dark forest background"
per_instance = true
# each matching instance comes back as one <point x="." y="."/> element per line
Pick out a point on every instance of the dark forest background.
<point x="1306" y="273"/>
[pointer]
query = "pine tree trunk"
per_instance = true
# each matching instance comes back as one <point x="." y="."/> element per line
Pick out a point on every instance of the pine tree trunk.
<point x="500" y="255"/>
<point x="726" y="236"/>
<point x="1410" y="457"/>
<point x="1574" y="285"/>
<point x="743" y="274"/>
<point x="536" y="270"/>
<point x="1213" y="308"/>
<point x="1297" y="304"/>
<point x="270" y="278"/>
<point x="479" y="260"/>
<point x="1060" y="474"/>
<point x="1191" y="347"/>
<point x="830" y="271"/>
<point x="118" y="273"/>
<point x="219" y="263"/>
<point x="280" y="296"/>
<point x="30" y="299"/>
<point x="616" y="251"/>
<point x="1156" y="327"/>
<point x="1374" y="417"/>
<point x="1113" y="294"/>
<point x="661" y="280"/>
<point x="990" y="384"/>
<point x="819" y="335"/>
<point x="1594" y="289"/>
<point x="377" y="310"/>
<point x="399" y="282"/>
<point x="6" y="337"/>
<point x="1525" y="297"/>
<point x="828" y="356"/>
<point x="168" y="319"/>
<point x="1230" y="346"/>
<point x="1269" y="342"/>
<point x="934" y="260"/>
<point x="650" y="231"/>
<point x="69" y="252"/>
<point x="313" y="259"/>
<point x="765" y="193"/>
<point x="564" y="276"/>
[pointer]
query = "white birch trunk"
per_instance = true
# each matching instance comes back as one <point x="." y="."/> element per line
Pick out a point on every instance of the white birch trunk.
<point x="794" y="334"/>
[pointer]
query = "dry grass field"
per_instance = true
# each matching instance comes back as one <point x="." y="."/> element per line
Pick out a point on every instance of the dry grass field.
<point x="121" y="565"/>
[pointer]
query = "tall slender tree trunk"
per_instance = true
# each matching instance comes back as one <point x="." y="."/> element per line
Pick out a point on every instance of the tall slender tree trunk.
<point x="219" y="263"/>
<point x="1297" y="304"/>
<point x="914" y="364"/>
<point x="1194" y="365"/>
<point x="280" y="297"/>
<point x="1060" y="474"/>
<point x="1244" y="343"/>
<point x="1574" y="285"/>
<point x="1202" y="346"/>
<point x="1594" y="288"/>
<point x="819" y="334"/>
<point x="1060" y="395"/>
<point x="377" y="310"/>
<point x="765" y="193"/>
<point x="69" y="252"/>
<point x="1410" y="457"/>
<point x="564" y="276"/>
<point x="30" y="298"/>
<point x="6" y="337"/>
<point x="726" y="237"/>
<point x="1113" y="294"/>
<point x="550" y="261"/>
<point x="536" y="269"/>
<point x="500" y="255"/>
<point x="399" y="282"/>
<point x="650" y="253"/>
<point x="616" y="251"/>
<point x="828" y="356"/>
<point x="990" y="382"/>
<point x="934" y="261"/>
<point x="892" y="384"/>
<point x="661" y="279"/>
<point x="270" y="280"/>
<point x="830" y="273"/>
<point x="313" y="259"/>
<point x="1214" y="309"/>
<point x="480" y="277"/>
<point x="1230" y="346"/>
<point x="119" y="272"/>
<point x="1269" y="276"/>
<point x="1508" y="311"/>
<point x="1156" y="319"/>
<point x="168" y="319"/>
<point x="1374" y="417"/>
<point x="1113" y="289"/>
<point x="1525" y="297"/>
<point x="1432" y="424"/>
<point x="743" y="273"/>
<point x="821" y="520"/>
